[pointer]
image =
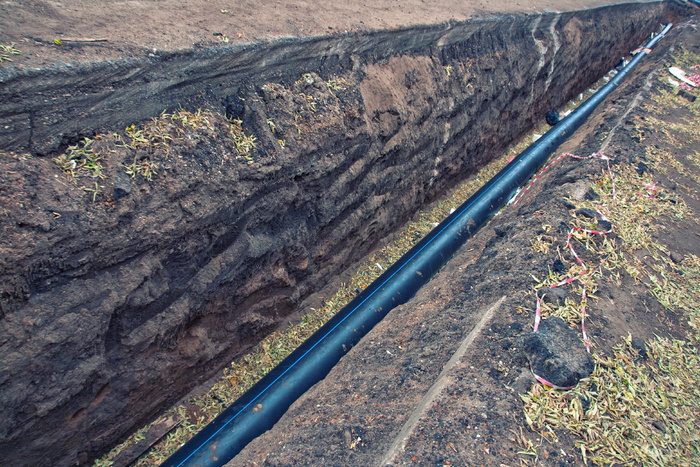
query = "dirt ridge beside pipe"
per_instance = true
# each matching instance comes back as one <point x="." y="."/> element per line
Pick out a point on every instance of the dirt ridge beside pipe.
<point x="111" y="305"/>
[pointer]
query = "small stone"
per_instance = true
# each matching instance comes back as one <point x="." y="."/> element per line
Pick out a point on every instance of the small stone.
<point x="558" y="266"/>
<point x="604" y="225"/>
<point x="659" y="426"/>
<point x="688" y="96"/>
<point x="642" y="168"/>
<point x="523" y="382"/>
<point x="591" y="195"/>
<point x="568" y="204"/>
<point x="640" y="346"/>
<point x="676" y="257"/>
<point x="585" y="212"/>
<point x="556" y="296"/>
<point x="557" y="354"/>
<point x="122" y="185"/>
<point x="552" y="117"/>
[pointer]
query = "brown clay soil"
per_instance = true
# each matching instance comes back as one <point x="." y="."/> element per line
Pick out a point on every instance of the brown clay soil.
<point x="135" y="28"/>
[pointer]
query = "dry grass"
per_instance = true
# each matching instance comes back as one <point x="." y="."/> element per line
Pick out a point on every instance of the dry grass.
<point x="630" y="411"/>
<point x="636" y="409"/>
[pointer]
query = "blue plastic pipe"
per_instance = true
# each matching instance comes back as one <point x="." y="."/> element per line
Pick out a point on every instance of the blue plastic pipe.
<point x="263" y="405"/>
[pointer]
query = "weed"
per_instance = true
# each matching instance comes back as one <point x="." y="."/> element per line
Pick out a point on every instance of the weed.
<point x="337" y="85"/>
<point x="80" y="159"/>
<point x="306" y="78"/>
<point x="6" y="51"/>
<point x="144" y="168"/>
<point x="94" y="191"/>
<point x="161" y="131"/>
<point x="311" y="102"/>
<point x="245" y="144"/>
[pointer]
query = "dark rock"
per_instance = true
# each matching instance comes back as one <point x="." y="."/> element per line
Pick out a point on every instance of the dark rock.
<point x="591" y="195"/>
<point x="122" y="185"/>
<point x="642" y="168"/>
<point x="556" y="296"/>
<point x="501" y="232"/>
<point x="676" y="257"/>
<point x="659" y="425"/>
<point x="568" y="204"/>
<point x="686" y="95"/>
<point x="523" y="382"/>
<point x="640" y="346"/>
<point x="604" y="225"/>
<point x="558" y="266"/>
<point x="563" y="227"/>
<point x="557" y="354"/>
<point x="585" y="212"/>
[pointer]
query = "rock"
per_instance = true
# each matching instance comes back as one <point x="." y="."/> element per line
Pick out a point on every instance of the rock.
<point x="676" y="257"/>
<point x="558" y="266"/>
<point x="568" y="204"/>
<point x="556" y="296"/>
<point x="643" y="168"/>
<point x="688" y="96"/>
<point x="556" y="353"/>
<point x="591" y="195"/>
<point x="604" y="225"/>
<point x="640" y="346"/>
<point x="523" y="382"/>
<point x="122" y="185"/>
<point x="585" y="212"/>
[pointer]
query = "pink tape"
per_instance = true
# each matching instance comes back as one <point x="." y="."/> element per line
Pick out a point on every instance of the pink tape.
<point x="584" y="296"/>
<point x="537" y="176"/>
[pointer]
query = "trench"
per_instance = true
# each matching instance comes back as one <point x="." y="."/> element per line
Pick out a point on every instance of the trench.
<point x="164" y="284"/>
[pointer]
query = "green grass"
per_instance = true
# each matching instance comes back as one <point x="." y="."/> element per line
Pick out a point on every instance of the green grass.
<point x="7" y="51"/>
<point x="80" y="160"/>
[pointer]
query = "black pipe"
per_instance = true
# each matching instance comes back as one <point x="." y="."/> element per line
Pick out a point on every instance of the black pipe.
<point x="263" y="405"/>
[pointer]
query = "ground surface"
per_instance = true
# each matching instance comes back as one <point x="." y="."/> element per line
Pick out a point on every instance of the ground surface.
<point x="134" y="28"/>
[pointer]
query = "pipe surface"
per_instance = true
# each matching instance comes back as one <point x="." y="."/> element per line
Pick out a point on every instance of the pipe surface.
<point x="263" y="405"/>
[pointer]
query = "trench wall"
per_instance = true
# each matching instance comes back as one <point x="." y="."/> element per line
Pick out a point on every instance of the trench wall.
<point x="113" y="307"/>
